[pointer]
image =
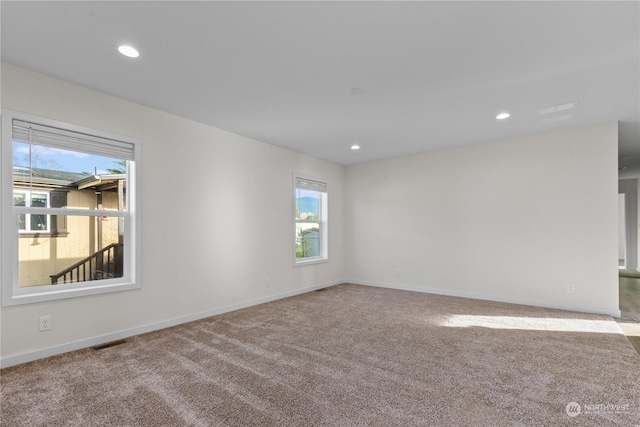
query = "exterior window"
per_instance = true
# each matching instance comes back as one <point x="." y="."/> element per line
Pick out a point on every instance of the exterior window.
<point x="73" y="215"/>
<point x="310" y="220"/>
<point x="32" y="223"/>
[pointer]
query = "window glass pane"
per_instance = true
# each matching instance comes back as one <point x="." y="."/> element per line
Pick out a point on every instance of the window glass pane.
<point x="19" y="199"/>
<point x="22" y="222"/>
<point x="82" y="176"/>
<point x="90" y="251"/>
<point x="38" y="200"/>
<point x="38" y="222"/>
<point x="38" y="157"/>
<point x="307" y="240"/>
<point x="307" y="204"/>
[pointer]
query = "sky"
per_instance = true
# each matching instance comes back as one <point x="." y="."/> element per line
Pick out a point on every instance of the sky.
<point x="62" y="160"/>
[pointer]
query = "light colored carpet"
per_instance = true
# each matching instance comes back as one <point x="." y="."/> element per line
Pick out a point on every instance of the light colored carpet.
<point x="346" y="356"/>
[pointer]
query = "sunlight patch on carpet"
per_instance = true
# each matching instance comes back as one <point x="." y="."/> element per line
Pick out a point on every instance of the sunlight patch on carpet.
<point x="602" y="326"/>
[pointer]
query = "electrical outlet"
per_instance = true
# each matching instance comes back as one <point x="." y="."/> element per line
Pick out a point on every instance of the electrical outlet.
<point x="268" y="282"/>
<point x="397" y="272"/>
<point x="570" y="289"/>
<point x="45" y="323"/>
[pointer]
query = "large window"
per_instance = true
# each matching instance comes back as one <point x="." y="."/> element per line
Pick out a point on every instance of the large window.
<point x="68" y="210"/>
<point x="310" y="220"/>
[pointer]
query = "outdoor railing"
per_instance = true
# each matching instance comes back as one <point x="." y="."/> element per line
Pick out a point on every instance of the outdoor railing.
<point x="104" y="264"/>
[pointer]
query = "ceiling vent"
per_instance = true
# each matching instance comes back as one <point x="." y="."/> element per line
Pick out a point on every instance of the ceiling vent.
<point x="560" y="108"/>
<point x="557" y="113"/>
<point x="555" y="119"/>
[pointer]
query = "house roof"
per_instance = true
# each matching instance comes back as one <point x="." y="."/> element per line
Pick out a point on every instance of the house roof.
<point x="59" y="179"/>
<point x="100" y="182"/>
<point x="46" y="177"/>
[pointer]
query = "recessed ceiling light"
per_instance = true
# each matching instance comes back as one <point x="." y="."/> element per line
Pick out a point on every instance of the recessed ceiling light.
<point x="502" y="116"/>
<point x="128" y="51"/>
<point x="355" y="147"/>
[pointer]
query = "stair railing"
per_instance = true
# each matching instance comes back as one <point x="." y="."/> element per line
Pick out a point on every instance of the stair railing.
<point x="104" y="264"/>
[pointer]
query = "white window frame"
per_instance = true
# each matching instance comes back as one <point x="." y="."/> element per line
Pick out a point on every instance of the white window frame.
<point x="12" y="294"/>
<point x="322" y="222"/>
<point x="27" y="216"/>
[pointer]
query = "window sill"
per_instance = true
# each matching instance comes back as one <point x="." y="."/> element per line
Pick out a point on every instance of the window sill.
<point x="42" y="234"/>
<point x="39" y="294"/>
<point x="310" y="261"/>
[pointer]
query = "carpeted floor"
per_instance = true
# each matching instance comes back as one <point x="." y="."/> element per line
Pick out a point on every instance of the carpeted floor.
<point x="346" y="356"/>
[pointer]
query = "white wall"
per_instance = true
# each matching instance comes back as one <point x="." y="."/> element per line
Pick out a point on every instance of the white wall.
<point x="216" y="222"/>
<point x="516" y="220"/>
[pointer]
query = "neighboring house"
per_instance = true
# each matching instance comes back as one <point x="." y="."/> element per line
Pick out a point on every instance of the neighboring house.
<point x="71" y="247"/>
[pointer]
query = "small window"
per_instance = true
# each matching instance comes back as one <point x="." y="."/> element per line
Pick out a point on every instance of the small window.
<point x="32" y="223"/>
<point x="310" y="220"/>
<point x="70" y="229"/>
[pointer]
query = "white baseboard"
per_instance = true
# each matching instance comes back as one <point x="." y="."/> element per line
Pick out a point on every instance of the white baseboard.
<point x="496" y="298"/>
<point x="118" y="335"/>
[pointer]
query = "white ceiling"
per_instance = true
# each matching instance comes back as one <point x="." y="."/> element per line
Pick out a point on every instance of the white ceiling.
<point x="434" y="74"/>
